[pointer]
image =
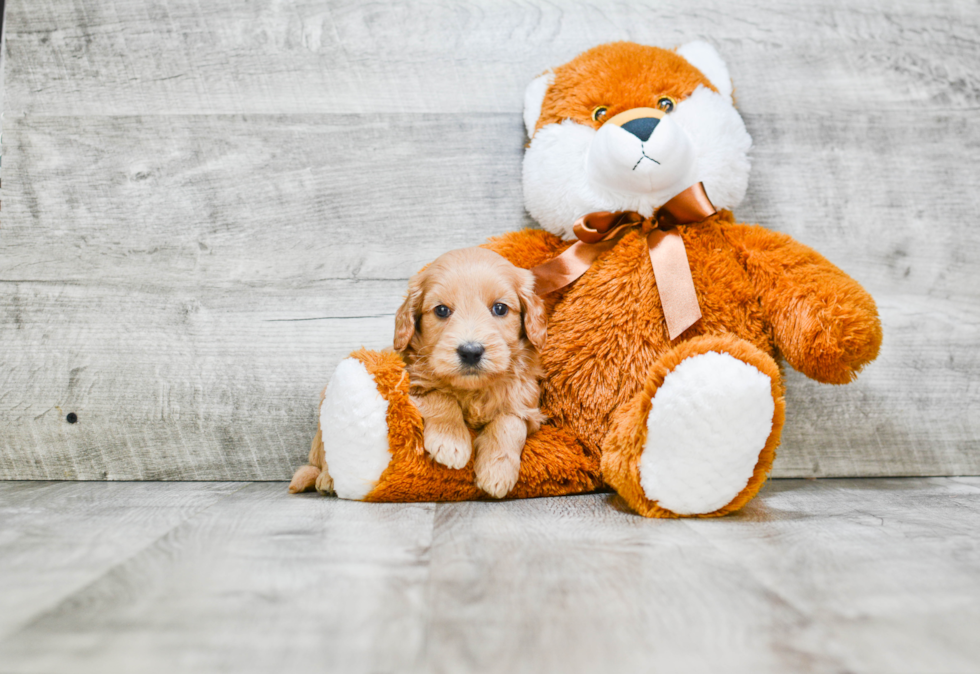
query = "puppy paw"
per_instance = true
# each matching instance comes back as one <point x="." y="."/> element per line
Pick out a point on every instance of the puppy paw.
<point x="324" y="484"/>
<point x="450" y="446"/>
<point x="497" y="475"/>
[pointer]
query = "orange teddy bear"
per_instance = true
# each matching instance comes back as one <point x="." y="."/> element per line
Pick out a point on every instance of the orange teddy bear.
<point x="664" y="318"/>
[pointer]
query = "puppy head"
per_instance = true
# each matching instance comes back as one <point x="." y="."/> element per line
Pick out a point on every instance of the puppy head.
<point x="468" y="316"/>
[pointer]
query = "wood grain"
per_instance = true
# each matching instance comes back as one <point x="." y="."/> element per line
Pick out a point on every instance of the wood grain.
<point x="3" y="49"/>
<point x="206" y="205"/>
<point x="56" y="538"/>
<point x="257" y="582"/>
<point x="817" y="576"/>
<point x="866" y="575"/>
<point x="888" y="565"/>
<point x="253" y="200"/>
<point x="170" y="384"/>
<point x="222" y="384"/>
<point x="126" y="57"/>
<point x="294" y="199"/>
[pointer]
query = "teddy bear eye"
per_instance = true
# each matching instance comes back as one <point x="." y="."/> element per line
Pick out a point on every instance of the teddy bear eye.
<point x="500" y="309"/>
<point x="599" y="113"/>
<point x="666" y="103"/>
<point x="442" y="311"/>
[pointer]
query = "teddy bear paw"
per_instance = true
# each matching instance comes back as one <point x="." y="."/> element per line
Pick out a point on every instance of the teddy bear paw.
<point x="708" y="424"/>
<point x="355" y="432"/>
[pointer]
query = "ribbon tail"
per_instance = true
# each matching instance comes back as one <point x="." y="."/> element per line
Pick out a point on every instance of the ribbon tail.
<point x="675" y="284"/>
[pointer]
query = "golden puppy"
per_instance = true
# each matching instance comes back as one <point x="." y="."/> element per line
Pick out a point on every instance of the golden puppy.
<point x="469" y="330"/>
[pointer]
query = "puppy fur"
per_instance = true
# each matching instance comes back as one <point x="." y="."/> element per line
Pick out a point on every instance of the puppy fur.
<point x="470" y="367"/>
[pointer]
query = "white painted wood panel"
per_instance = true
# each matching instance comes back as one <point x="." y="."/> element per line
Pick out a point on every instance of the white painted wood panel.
<point x="215" y="199"/>
<point x="174" y="384"/>
<point x="175" y="200"/>
<point x="205" y="206"/>
<point x="184" y="57"/>
<point x="222" y="384"/>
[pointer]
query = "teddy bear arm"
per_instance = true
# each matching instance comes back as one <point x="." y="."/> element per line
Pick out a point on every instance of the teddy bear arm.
<point x="370" y="445"/>
<point x="824" y="323"/>
<point x="527" y="248"/>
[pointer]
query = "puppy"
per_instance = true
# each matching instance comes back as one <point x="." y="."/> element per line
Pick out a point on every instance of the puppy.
<point x="469" y="331"/>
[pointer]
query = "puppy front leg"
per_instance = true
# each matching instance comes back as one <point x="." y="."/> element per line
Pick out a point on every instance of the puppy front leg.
<point x="498" y="454"/>
<point x="446" y="437"/>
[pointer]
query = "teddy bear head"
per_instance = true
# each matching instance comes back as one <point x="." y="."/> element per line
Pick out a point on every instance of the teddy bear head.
<point x="624" y="126"/>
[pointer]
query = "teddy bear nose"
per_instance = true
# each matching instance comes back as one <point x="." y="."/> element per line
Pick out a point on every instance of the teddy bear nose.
<point x="642" y="128"/>
<point x="470" y="353"/>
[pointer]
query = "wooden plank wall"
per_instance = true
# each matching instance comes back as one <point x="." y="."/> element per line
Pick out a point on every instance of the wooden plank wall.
<point x="207" y="204"/>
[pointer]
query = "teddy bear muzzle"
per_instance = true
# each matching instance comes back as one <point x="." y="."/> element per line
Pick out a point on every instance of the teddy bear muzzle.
<point x="642" y="151"/>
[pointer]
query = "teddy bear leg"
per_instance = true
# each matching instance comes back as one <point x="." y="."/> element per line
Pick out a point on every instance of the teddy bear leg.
<point x="350" y="450"/>
<point x="553" y="463"/>
<point x="700" y="438"/>
<point x="369" y="446"/>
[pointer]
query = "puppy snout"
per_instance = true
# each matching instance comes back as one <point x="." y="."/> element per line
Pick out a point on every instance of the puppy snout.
<point x="642" y="128"/>
<point x="470" y="353"/>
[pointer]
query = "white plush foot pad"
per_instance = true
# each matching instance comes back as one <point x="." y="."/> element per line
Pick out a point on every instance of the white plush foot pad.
<point x="709" y="422"/>
<point x="355" y="430"/>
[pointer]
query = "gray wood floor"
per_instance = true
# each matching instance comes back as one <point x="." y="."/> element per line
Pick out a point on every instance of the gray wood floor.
<point x="860" y="575"/>
<point x="207" y="204"/>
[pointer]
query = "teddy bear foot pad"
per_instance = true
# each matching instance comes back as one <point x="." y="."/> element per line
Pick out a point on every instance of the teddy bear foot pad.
<point x="709" y="421"/>
<point x="355" y="444"/>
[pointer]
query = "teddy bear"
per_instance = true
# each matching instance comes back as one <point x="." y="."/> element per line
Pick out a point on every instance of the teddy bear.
<point x="666" y="316"/>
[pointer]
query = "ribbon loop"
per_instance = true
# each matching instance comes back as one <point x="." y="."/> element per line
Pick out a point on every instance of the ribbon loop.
<point x="602" y="225"/>
<point x="600" y="231"/>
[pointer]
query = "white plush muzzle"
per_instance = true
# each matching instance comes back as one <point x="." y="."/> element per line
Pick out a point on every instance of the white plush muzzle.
<point x="659" y="167"/>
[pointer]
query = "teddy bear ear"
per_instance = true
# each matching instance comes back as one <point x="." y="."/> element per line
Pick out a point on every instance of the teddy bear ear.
<point x="705" y="58"/>
<point x="533" y="98"/>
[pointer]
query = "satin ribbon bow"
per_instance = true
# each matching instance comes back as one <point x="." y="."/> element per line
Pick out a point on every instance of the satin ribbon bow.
<point x="599" y="232"/>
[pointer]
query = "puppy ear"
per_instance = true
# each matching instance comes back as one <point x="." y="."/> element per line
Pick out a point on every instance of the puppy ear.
<point x="532" y="312"/>
<point x="406" y="317"/>
<point x="705" y="58"/>
<point x="533" y="98"/>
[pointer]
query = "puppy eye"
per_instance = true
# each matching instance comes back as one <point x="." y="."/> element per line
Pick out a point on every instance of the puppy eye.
<point x="442" y="311"/>
<point x="599" y="113"/>
<point x="500" y="309"/>
<point x="666" y="103"/>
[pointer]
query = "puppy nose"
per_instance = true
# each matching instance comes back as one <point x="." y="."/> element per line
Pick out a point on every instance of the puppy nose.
<point x="642" y="128"/>
<point x="470" y="353"/>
